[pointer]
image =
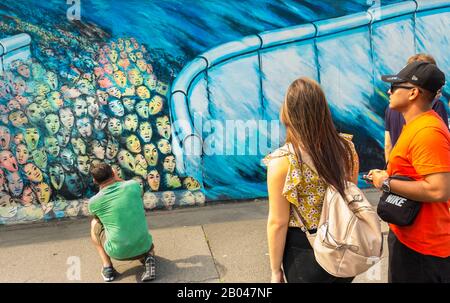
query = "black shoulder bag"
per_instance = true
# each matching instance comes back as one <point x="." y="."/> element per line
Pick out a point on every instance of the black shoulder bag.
<point x="396" y="209"/>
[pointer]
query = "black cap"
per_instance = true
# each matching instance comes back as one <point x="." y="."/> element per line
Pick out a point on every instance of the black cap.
<point x="422" y="74"/>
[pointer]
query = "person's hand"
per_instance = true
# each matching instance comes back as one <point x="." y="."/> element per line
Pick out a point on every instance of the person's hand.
<point x="277" y="277"/>
<point x="378" y="176"/>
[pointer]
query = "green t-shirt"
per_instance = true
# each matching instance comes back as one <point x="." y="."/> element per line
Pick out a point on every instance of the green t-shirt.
<point x="120" y="209"/>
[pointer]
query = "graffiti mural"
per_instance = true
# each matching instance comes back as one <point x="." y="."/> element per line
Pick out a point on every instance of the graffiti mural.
<point x="110" y="81"/>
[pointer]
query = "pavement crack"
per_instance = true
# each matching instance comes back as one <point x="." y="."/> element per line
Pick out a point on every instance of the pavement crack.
<point x="211" y="252"/>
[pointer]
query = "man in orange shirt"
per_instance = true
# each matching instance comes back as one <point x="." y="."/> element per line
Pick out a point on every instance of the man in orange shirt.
<point x="419" y="252"/>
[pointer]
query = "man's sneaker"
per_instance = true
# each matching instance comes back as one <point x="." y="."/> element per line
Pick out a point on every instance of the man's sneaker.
<point x="108" y="273"/>
<point x="150" y="269"/>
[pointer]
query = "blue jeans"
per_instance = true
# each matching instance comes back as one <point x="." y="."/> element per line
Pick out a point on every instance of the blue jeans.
<point x="299" y="263"/>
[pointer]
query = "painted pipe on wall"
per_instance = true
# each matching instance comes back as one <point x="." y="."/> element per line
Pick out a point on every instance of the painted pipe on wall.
<point x="14" y="48"/>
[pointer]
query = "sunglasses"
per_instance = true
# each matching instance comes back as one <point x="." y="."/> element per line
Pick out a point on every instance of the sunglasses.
<point x="394" y="87"/>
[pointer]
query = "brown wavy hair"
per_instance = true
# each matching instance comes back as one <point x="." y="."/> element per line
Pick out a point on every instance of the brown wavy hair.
<point x="309" y="126"/>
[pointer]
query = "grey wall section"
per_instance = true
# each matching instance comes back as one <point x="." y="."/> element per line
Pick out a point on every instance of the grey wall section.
<point x="246" y="80"/>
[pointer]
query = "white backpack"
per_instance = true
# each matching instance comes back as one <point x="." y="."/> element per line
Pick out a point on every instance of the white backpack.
<point x="348" y="239"/>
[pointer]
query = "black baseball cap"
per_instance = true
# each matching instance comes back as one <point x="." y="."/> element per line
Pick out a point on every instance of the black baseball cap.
<point x="422" y="74"/>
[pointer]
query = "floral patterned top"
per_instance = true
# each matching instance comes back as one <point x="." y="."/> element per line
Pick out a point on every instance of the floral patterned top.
<point x="306" y="190"/>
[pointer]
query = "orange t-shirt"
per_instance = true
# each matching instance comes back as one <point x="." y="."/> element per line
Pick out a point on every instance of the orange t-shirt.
<point x="423" y="148"/>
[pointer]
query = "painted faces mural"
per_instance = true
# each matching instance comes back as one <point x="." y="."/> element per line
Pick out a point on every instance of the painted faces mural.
<point x="72" y="106"/>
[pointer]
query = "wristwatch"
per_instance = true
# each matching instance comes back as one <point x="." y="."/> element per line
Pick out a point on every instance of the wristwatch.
<point x="386" y="187"/>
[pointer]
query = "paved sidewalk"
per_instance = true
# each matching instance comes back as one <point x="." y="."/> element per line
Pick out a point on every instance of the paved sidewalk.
<point x="221" y="242"/>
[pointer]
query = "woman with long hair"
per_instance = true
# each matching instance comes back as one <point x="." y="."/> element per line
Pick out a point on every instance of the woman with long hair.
<point x="314" y="157"/>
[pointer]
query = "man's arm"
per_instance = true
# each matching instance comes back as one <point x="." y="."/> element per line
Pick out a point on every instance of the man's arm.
<point x="387" y="145"/>
<point x="434" y="187"/>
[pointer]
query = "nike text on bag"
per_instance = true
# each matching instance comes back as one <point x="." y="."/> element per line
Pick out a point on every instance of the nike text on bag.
<point x="348" y="240"/>
<point x="396" y="209"/>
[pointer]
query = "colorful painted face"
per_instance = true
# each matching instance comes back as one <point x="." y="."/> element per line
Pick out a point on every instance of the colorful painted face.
<point x="114" y="92"/>
<point x="145" y="131"/>
<point x="18" y="118"/>
<point x="163" y="126"/>
<point x="150" y="200"/>
<point x="172" y="181"/>
<point x="5" y="137"/>
<point x="8" y="208"/>
<point x="133" y="144"/>
<point x="32" y="138"/>
<point x="43" y="102"/>
<point x="35" y="113"/>
<point x="40" y="158"/>
<point x="52" y="80"/>
<point x="33" y="173"/>
<point x="154" y="180"/>
<point x="162" y="88"/>
<point x="115" y="127"/>
<point x="52" y="124"/>
<point x="24" y="70"/>
<point x="169" y="164"/>
<point x="151" y="82"/>
<point x="28" y="196"/>
<point x="141" y="166"/>
<point x="164" y="146"/>
<point x="135" y="77"/>
<point x="128" y="103"/>
<point x="112" y="148"/>
<point x="100" y="121"/>
<point x="132" y="57"/>
<point x="8" y="161"/>
<point x="169" y="199"/>
<point x="188" y="198"/>
<point x="116" y="107"/>
<point x="142" y="65"/>
<point x="151" y="154"/>
<point x="22" y="154"/>
<point x="52" y="146"/>
<point x="156" y="105"/>
<point x="78" y="145"/>
<point x="20" y="87"/>
<point x="84" y="127"/>
<point x="93" y="108"/>
<point x="80" y="107"/>
<point x="15" y="184"/>
<point x="85" y="87"/>
<point x="131" y="122"/>
<point x="43" y="192"/>
<point x="102" y="97"/>
<point x="83" y="163"/>
<point x="42" y="89"/>
<point x="98" y="149"/>
<point x="126" y="160"/>
<point x="191" y="184"/>
<point x="37" y="70"/>
<point x="67" y="158"/>
<point x="199" y="197"/>
<point x="72" y="209"/>
<point x="56" y="173"/>
<point x="120" y="78"/>
<point x="63" y="137"/>
<point x="142" y="109"/>
<point x="13" y="104"/>
<point x="143" y="92"/>
<point x="23" y="101"/>
<point x="66" y="117"/>
<point x="74" y="184"/>
<point x="55" y="100"/>
<point x="118" y="171"/>
<point x="113" y="55"/>
<point x="129" y="91"/>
